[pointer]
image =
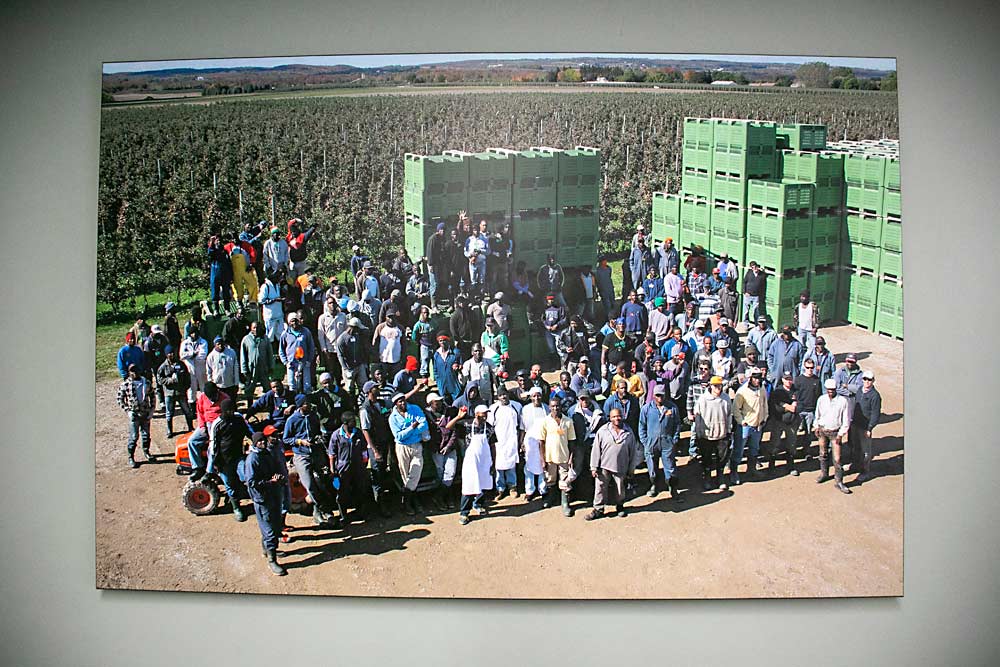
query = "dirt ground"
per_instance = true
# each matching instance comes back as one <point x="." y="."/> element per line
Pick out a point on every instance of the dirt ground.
<point x="780" y="536"/>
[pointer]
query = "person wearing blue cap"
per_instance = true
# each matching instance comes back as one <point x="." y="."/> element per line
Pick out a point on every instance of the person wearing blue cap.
<point x="173" y="376"/>
<point x="223" y="367"/>
<point x="301" y="430"/>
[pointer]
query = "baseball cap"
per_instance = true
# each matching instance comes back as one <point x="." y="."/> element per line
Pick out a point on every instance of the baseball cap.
<point x="498" y="296"/>
<point x="584" y="393"/>
<point x="218" y="339"/>
<point x="398" y="395"/>
<point x="480" y="409"/>
<point x="868" y="375"/>
<point x="257" y="437"/>
<point x="659" y="301"/>
<point x="699" y="324"/>
<point x="640" y="291"/>
<point x="431" y="397"/>
<point x="723" y="343"/>
<point x="368" y="386"/>
<point x="521" y="373"/>
<point x="787" y="375"/>
<point x="757" y="371"/>
<point x="830" y="384"/>
<point x="786" y="329"/>
<point x="659" y="390"/>
<point x="269" y="430"/>
<point x="762" y="318"/>
<point x="355" y="322"/>
<point x="851" y="357"/>
<point x="715" y="380"/>
<point x="440" y="226"/>
<point x="723" y="320"/>
<point x="716" y="270"/>
<point x="583" y="360"/>
<point x="535" y="390"/>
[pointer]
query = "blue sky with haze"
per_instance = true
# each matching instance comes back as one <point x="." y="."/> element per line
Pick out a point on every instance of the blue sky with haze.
<point x="424" y="58"/>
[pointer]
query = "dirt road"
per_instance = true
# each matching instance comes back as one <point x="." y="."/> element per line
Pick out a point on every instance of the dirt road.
<point x="778" y="536"/>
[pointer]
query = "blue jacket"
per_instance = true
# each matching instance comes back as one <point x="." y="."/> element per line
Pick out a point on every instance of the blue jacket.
<point x="291" y="340"/>
<point x="653" y="287"/>
<point x="346" y="449"/>
<point x="658" y="431"/>
<point x="446" y="378"/>
<point x="667" y="349"/>
<point x="639" y="260"/>
<point x="629" y="408"/>
<point x="781" y="357"/>
<point x="301" y="427"/>
<point x="130" y="354"/>
<point x="636" y="317"/>
<point x="407" y="429"/>
<point x="275" y="406"/>
<point x="260" y="466"/>
<point x="824" y="365"/>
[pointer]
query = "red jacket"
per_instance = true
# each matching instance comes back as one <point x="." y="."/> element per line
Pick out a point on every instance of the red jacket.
<point x="206" y="410"/>
<point x="247" y="248"/>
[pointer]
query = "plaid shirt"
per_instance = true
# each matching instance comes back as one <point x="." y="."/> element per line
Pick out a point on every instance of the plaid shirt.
<point x="135" y="397"/>
<point x="695" y="391"/>
<point x="696" y="284"/>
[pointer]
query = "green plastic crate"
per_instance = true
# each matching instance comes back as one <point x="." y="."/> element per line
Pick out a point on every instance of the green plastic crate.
<point x="891" y="264"/>
<point x="535" y="178"/>
<point x="736" y="248"/>
<point x="860" y="290"/>
<point x="828" y="195"/>
<point x="436" y="203"/>
<point x="800" y="136"/>
<point x="825" y="249"/>
<point x="744" y="135"/>
<point x="697" y="155"/>
<point x="578" y="172"/>
<point x="779" y="197"/>
<point x="892" y="233"/>
<point x="869" y="200"/>
<point x="892" y="202"/>
<point x="782" y="294"/>
<point x="754" y="162"/>
<point x="729" y="189"/>
<point x="699" y="130"/>
<point x="534" y="237"/>
<point x="696" y="183"/>
<point x="892" y="180"/>
<point x="421" y="172"/>
<point x="695" y="223"/>
<point x="666" y="216"/>
<point x="865" y="229"/>
<point x="763" y="225"/>
<point x="889" y="308"/>
<point x="415" y="236"/>
<point x="865" y="169"/>
<point x="824" y="290"/>
<point x="729" y="222"/>
<point x="827" y="223"/>
<point x="858" y="256"/>
<point x="779" y="256"/>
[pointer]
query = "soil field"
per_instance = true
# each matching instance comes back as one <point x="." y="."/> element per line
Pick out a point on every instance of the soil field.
<point x="779" y="536"/>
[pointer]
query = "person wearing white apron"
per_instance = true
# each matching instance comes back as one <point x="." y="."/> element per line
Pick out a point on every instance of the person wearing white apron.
<point x="505" y="418"/>
<point x="534" y="468"/>
<point x="476" y="465"/>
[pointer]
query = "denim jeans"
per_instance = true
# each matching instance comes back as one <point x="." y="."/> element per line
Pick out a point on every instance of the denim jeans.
<point x="744" y="438"/>
<point x="807" y="339"/>
<point x="477" y="274"/>
<point x="379" y="472"/>
<point x="230" y="479"/>
<point x="470" y="502"/>
<point x="197" y="440"/>
<point x="751" y="306"/>
<point x="666" y="456"/>
<point x="506" y="480"/>
<point x="426" y="356"/>
<point x="533" y="483"/>
<point x="306" y="385"/>
<point x="138" y="425"/>
<point x="178" y="400"/>
<point x="432" y="279"/>
<point x="269" y="521"/>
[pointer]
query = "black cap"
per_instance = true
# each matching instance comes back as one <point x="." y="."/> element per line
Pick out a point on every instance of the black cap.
<point x="522" y="373"/>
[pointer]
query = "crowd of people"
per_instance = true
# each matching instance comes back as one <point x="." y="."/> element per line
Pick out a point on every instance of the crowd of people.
<point x="398" y="382"/>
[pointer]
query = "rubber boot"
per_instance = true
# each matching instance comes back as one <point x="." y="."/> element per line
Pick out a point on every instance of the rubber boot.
<point x="263" y="548"/>
<point x="791" y="465"/>
<point x="838" y="472"/>
<point x="440" y="499"/>
<point x="407" y="503"/>
<point x="317" y="515"/>
<point x="272" y="563"/>
<point x="415" y="502"/>
<point x="824" y="470"/>
<point x="566" y="509"/>
<point x="383" y="506"/>
<point x="149" y="456"/>
<point x="548" y="500"/>
<point x="131" y="459"/>
<point x="751" y="466"/>
<point x="237" y="510"/>
<point x="675" y="491"/>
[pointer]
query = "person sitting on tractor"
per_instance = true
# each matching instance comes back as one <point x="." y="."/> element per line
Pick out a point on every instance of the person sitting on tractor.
<point x="278" y="402"/>
<point x="207" y="409"/>
<point x="225" y="436"/>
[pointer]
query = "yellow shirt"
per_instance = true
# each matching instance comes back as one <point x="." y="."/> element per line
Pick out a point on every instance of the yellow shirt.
<point x="556" y="436"/>
<point x="750" y="406"/>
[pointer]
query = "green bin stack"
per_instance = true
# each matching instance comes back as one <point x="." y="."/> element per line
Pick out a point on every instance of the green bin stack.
<point x="578" y="172"/>
<point x="666" y="217"/>
<point x="435" y="189"/>
<point x="490" y="178"/>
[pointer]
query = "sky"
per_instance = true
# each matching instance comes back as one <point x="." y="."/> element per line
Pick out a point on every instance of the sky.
<point x="423" y="58"/>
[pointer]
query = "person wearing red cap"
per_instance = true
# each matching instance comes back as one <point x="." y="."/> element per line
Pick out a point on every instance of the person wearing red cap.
<point x="408" y="380"/>
<point x="129" y="354"/>
<point x="297" y="247"/>
<point x="714" y="282"/>
<point x="667" y="256"/>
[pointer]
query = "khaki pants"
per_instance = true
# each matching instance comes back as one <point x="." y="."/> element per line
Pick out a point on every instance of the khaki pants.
<point x="561" y="472"/>
<point x="411" y="464"/>
<point x="609" y="487"/>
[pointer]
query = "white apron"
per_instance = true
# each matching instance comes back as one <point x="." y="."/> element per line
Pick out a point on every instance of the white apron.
<point x="504" y="420"/>
<point x="476" y="475"/>
<point x="533" y="456"/>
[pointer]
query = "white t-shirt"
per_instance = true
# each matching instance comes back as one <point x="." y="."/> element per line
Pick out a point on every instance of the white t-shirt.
<point x="389" y="345"/>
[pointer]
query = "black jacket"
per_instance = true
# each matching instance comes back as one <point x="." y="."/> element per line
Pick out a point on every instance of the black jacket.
<point x="867" y="409"/>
